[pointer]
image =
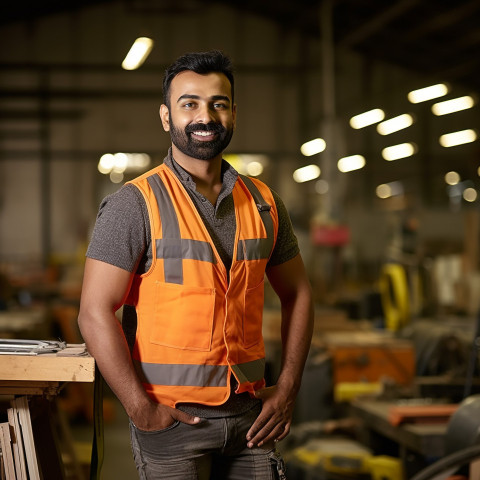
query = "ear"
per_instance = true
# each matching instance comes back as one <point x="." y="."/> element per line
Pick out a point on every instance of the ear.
<point x="234" y="115"/>
<point x="164" y="117"/>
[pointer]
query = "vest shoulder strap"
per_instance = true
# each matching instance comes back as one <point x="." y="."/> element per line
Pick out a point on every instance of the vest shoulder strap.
<point x="262" y="205"/>
<point x="258" y="248"/>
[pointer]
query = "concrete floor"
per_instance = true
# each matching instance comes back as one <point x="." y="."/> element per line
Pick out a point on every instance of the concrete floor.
<point x="118" y="459"/>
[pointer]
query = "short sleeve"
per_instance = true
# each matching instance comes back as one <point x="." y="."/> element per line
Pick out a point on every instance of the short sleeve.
<point x="120" y="233"/>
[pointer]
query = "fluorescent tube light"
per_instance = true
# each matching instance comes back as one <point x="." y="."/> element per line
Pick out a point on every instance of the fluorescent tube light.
<point x="367" y="118"/>
<point x="458" y="138"/>
<point x="454" y="105"/>
<point x="395" y="124"/>
<point x="304" y="174"/>
<point x="313" y="147"/>
<point x="348" y="164"/>
<point x="401" y="150"/>
<point x="428" y="93"/>
<point x="138" y="53"/>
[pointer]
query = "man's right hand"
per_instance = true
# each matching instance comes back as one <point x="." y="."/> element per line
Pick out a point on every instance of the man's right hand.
<point x="155" y="416"/>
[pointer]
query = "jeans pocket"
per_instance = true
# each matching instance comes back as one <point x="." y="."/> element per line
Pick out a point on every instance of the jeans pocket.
<point x="153" y="446"/>
<point x="155" y="432"/>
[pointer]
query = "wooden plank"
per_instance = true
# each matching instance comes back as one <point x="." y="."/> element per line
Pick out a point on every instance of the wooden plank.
<point x="12" y="387"/>
<point x="17" y="442"/>
<point x="21" y="404"/>
<point x="48" y="367"/>
<point x="6" y="447"/>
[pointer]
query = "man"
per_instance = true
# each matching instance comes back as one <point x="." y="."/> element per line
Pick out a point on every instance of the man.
<point x="185" y="248"/>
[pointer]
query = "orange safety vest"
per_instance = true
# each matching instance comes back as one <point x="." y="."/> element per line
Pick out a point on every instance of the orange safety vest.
<point x="194" y="327"/>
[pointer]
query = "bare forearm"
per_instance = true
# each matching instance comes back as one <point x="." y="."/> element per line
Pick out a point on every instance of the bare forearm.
<point x="106" y="343"/>
<point x="290" y="282"/>
<point x="297" y="328"/>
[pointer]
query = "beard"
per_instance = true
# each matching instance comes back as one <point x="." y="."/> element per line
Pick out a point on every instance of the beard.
<point x="183" y="140"/>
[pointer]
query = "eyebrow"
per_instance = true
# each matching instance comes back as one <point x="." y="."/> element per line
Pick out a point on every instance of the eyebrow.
<point x="197" y="97"/>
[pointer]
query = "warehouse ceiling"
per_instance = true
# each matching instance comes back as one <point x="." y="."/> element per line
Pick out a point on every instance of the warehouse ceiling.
<point x="436" y="40"/>
<point x="432" y="37"/>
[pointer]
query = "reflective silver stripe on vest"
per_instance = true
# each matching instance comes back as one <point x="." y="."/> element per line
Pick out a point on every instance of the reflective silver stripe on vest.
<point x="257" y="248"/>
<point x="183" y="375"/>
<point x="171" y="247"/>
<point x="189" y="249"/>
<point x="198" y="375"/>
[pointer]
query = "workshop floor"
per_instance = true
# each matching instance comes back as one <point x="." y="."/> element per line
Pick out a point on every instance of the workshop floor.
<point x="118" y="460"/>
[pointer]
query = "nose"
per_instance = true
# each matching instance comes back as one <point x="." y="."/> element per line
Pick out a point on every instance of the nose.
<point x="205" y="114"/>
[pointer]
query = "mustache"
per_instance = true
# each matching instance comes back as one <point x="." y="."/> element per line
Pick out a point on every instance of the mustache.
<point x="205" y="127"/>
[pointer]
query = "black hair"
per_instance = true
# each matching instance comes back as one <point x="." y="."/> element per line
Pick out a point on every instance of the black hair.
<point x="198" y="62"/>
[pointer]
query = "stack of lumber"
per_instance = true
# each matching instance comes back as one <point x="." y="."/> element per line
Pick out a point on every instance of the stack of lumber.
<point x="18" y="454"/>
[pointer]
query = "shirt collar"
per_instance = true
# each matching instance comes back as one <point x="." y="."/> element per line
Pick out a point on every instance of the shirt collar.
<point x="229" y="175"/>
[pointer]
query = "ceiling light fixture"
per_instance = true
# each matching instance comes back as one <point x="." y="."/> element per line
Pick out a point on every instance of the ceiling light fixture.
<point x="304" y="174"/>
<point x="401" y="150"/>
<point x="137" y="54"/>
<point x="454" y="105"/>
<point x="428" y="93"/>
<point x="458" y="138"/>
<point x="313" y="147"/>
<point x="395" y="124"/>
<point x="351" y="163"/>
<point x="367" y="118"/>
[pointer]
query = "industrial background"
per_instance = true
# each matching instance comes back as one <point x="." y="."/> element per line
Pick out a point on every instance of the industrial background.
<point x="391" y="247"/>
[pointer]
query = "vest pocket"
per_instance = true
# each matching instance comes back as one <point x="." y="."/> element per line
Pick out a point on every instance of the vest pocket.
<point x="183" y="317"/>
<point x="252" y="317"/>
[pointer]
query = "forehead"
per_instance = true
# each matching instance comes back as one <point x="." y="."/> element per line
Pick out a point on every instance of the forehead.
<point x="203" y="86"/>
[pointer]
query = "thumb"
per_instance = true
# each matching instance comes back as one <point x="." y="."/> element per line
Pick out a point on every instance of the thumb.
<point x="263" y="393"/>
<point x="186" y="418"/>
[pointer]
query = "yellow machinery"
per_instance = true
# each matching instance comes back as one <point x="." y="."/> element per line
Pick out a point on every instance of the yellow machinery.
<point x="401" y="295"/>
<point x="325" y="458"/>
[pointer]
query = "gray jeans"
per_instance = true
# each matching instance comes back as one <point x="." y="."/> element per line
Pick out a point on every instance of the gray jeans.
<point x="215" y="449"/>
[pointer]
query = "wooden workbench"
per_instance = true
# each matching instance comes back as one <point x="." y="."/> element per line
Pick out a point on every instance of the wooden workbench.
<point x="45" y="373"/>
<point x="417" y="444"/>
<point x="38" y="379"/>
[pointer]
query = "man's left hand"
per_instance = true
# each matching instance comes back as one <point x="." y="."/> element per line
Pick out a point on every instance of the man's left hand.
<point x="274" y="420"/>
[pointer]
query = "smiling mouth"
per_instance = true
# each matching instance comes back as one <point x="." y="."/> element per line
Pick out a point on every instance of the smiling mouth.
<point x="206" y="135"/>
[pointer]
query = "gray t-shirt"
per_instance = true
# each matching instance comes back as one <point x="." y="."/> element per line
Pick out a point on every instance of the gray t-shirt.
<point x="122" y="237"/>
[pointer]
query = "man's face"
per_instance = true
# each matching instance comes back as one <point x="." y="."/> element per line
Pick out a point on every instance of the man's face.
<point x="201" y="118"/>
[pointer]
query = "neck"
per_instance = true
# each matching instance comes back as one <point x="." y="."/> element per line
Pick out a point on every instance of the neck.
<point x="207" y="174"/>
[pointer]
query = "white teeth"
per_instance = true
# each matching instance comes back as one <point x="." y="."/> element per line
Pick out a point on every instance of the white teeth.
<point x="202" y="133"/>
